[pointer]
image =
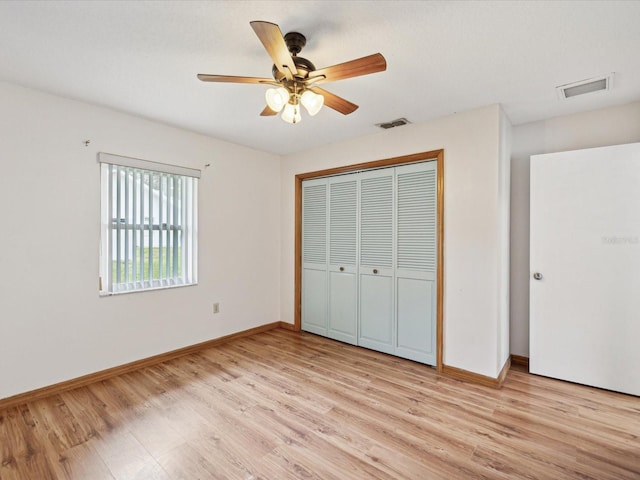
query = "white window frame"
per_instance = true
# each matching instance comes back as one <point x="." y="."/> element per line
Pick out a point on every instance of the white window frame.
<point x="126" y="231"/>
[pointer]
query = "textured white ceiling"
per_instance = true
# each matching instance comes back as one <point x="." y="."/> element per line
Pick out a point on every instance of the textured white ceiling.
<point x="142" y="57"/>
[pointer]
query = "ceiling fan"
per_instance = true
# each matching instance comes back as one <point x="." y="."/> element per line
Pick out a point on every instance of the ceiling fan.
<point x="296" y="79"/>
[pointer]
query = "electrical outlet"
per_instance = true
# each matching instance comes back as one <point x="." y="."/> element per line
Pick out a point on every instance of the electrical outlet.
<point x="216" y="307"/>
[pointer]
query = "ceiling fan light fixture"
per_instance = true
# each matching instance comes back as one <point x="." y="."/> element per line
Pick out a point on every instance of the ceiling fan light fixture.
<point x="291" y="113"/>
<point x="277" y="98"/>
<point x="294" y="75"/>
<point x="312" y="102"/>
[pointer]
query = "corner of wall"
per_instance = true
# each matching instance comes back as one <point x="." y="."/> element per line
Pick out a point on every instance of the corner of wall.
<point x="504" y="209"/>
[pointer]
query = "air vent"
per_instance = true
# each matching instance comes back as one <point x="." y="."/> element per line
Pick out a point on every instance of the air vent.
<point x="592" y="85"/>
<point x="394" y="123"/>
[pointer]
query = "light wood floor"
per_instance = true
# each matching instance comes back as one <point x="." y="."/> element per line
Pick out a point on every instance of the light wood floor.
<point x="281" y="405"/>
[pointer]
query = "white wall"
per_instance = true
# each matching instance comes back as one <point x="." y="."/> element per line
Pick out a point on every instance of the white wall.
<point x="53" y="324"/>
<point x="473" y="205"/>
<point x="610" y="126"/>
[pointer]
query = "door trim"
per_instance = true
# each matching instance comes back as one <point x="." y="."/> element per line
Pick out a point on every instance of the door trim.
<point x="434" y="155"/>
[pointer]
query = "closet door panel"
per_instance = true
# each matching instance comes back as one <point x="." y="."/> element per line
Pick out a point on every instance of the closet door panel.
<point x="343" y="248"/>
<point x="314" y="256"/>
<point x="416" y="267"/>
<point x="343" y="307"/>
<point x="314" y="301"/>
<point x="415" y="337"/>
<point x="376" y="260"/>
<point x="376" y="312"/>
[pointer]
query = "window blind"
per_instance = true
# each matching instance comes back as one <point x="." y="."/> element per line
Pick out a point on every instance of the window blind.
<point x="149" y="225"/>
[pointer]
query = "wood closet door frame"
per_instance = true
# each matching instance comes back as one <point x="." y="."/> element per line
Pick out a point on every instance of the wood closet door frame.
<point x="434" y="155"/>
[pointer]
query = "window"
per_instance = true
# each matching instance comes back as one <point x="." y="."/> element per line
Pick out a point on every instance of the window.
<point x="149" y="225"/>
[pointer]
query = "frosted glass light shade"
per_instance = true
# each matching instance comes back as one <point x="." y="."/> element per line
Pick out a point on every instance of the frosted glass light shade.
<point x="312" y="102"/>
<point x="291" y="113"/>
<point x="277" y="98"/>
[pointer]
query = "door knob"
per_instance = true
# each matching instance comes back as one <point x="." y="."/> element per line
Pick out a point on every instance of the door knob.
<point x="342" y="269"/>
<point x="537" y="276"/>
<point x="375" y="270"/>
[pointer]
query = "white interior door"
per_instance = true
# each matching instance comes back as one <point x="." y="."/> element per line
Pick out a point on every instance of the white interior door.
<point x="376" y="261"/>
<point x="585" y="252"/>
<point x="343" y="268"/>
<point x="314" y="256"/>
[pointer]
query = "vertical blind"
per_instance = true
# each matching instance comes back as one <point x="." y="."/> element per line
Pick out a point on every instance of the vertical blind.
<point x="149" y="225"/>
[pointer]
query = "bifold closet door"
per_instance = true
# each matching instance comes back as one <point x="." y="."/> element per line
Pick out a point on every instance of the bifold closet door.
<point x="376" y="260"/>
<point x="369" y="259"/>
<point x="343" y="251"/>
<point x="314" y="256"/>
<point x="416" y="262"/>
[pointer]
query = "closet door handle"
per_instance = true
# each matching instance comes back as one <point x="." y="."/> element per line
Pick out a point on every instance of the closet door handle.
<point x="375" y="270"/>
<point x="342" y="269"/>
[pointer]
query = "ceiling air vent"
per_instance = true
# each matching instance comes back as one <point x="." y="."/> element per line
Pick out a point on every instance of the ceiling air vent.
<point x="394" y="123"/>
<point x="592" y="85"/>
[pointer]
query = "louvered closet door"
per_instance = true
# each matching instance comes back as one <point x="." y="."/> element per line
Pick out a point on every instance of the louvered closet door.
<point x="416" y="254"/>
<point x="314" y="256"/>
<point x="343" y="291"/>
<point x="376" y="260"/>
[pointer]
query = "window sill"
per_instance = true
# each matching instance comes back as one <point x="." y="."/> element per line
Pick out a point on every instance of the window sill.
<point x="149" y="289"/>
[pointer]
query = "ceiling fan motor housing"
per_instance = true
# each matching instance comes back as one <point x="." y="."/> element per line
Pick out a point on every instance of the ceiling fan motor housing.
<point x="303" y="65"/>
<point x="295" y="41"/>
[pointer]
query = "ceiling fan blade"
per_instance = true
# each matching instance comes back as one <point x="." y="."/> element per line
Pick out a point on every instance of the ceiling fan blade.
<point x="273" y="41"/>
<point x="231" y="79"/>
<point x="355" y="68"/>
<point x="267" y="112"/>
<point x="339" y="104"/>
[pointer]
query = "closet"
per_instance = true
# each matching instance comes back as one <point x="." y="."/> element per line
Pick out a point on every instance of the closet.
<point x="369" y="259"/>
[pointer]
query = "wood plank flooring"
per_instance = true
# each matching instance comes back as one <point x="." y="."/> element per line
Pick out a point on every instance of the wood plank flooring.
<point x="282" y="405"/>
